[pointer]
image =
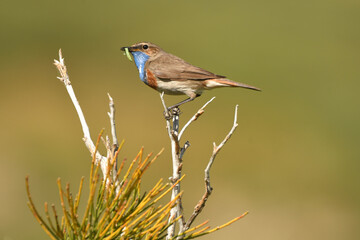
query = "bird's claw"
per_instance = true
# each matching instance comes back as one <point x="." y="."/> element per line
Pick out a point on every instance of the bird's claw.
<point x="171" y="111"/>
<point x="174" y="111"/>
<point x="167" y="115"/>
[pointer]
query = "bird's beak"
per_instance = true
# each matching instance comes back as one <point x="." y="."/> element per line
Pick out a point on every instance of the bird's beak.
<point x="131" y="49"/>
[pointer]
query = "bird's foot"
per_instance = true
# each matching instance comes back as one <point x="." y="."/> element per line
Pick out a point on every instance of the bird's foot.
<point x="167" y="115"/>
<point x="171" y="111"/>
<point x="174" y="111"/>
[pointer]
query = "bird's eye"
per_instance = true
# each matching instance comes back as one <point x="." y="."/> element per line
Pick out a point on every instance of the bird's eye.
<point x="145" y="47"/>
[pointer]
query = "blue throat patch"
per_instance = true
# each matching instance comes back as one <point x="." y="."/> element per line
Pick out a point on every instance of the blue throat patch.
<point x="140" y="60"/>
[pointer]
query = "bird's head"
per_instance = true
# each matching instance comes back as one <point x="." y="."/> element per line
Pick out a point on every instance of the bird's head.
<point x="142" y="52"/>
<point x="143" y="48"/>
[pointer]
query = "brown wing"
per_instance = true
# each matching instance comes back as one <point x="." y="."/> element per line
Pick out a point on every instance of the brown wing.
<point x="168" y="66"/>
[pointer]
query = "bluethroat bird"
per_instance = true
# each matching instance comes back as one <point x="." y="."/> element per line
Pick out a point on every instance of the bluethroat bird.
<point x="170" y="74"/>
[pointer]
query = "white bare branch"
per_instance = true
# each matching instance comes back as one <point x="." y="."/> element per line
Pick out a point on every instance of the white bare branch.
<point x="168" y="125"/>
<point x="111" y="115"/>
<point x="60" y="64"/>
<point x="175" y="155"/>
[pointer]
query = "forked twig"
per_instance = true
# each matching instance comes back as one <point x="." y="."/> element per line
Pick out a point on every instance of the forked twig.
<point x="177" y="155"/>
<point x="60" y="65"/>
<point x="208" y="189"/>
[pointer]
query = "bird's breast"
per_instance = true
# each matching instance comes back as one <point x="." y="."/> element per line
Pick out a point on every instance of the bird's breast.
<point x="151" y="80"/>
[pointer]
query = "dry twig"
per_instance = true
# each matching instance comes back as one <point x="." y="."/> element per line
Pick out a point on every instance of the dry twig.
<point x="177" y="155"/>
<point x="208" y="189"/>
<point x="60" y="64"/>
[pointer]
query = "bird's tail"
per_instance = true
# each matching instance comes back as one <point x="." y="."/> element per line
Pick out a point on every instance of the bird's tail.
<point x="224" y="82"/>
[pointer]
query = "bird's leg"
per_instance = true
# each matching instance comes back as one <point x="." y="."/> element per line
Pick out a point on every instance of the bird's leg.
<point x="184" y="101"/>
<point x="174" y="109"/>
<point x="180" y="103"/>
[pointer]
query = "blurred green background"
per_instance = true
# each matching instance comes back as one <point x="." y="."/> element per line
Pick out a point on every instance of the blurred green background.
<point x="293" y="161"/>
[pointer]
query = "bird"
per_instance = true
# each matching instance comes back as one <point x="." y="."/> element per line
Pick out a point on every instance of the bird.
<point x="172" y="75"/>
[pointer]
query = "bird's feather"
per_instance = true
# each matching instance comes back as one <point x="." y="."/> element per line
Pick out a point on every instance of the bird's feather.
<point x="171" y="67"/>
